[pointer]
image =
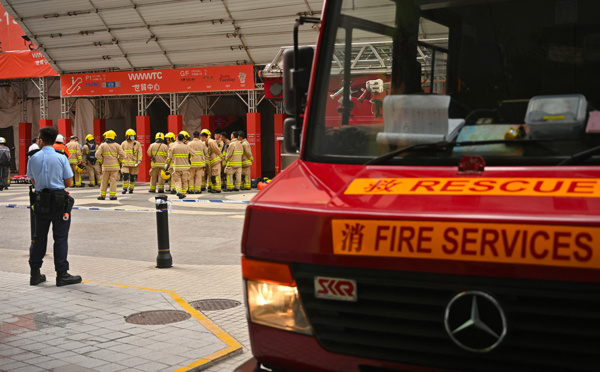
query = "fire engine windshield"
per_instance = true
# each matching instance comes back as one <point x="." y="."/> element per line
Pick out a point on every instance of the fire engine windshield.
<point x="516" y="82"/>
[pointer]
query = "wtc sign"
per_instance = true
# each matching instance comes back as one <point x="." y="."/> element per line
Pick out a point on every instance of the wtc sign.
<point x="181" y="80"/>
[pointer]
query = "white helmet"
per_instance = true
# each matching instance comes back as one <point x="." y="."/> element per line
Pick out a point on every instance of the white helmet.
<point x="2" y="140"/>
<point x="60" y="138"/>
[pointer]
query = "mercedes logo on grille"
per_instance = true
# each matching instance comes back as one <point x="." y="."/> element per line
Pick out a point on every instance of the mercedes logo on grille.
<point x="475" y="321"/>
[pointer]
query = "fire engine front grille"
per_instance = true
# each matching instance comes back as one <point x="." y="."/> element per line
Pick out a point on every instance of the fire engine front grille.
<point x="399" y="316"/>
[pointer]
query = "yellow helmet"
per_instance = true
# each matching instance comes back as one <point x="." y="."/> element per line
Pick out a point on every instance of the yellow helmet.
<point x="186" y="135"/>
<point x="159" y="135"/>
<point x="110" y="134"/>
<point x="165" y="174"/>
<point x="89" y="138"/>
<point x="205" y="131"/>
<point x="130" y="132"/>
<point x="170" y="136"/>
<point x="79" y="168"/>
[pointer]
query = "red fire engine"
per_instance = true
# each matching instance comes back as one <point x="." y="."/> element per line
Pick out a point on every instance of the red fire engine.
<point x="448" y="219"/>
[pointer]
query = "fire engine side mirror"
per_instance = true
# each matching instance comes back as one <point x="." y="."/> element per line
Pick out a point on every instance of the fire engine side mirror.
<point x="296" y="80"/>
<point x="289" y="144"/>
<point x="295" y="89"/>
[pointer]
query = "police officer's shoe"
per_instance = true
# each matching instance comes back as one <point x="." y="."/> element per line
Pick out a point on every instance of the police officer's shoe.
<point x="124" y="191"/>
<point x="64" y="278"/>
<point x="131" y="191"/>
<point x="36" y="277"/>
<point x="101" y="198"/>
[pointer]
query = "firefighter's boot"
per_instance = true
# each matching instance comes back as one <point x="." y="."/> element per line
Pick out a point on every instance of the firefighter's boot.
<point x="64" y="278"/>
<point x="36" y="277"/>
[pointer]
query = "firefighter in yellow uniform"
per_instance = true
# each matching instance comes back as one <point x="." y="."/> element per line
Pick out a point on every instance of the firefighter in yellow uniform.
<point x="198" y="164"/>
<point x="186" y="140"/>
<point x="170" y="139"/>
<point x="158" y="152"/>
<point x="133" y="158"/>
<point x="91" y="163"/>
<point x="223" y="149"/>
<point x="214" y="161"/>
<point x="206" y="179"/>
<point x="75" y="154"/>
<point x="179" y="156"/>
<point x="246" y="160"/>
<point x="233" y="169"/>
<point x="109" y="154"/>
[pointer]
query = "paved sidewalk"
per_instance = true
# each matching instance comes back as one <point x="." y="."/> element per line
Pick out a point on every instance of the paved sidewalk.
<point x="83" y="327"/>
<point x="118" y="265"/>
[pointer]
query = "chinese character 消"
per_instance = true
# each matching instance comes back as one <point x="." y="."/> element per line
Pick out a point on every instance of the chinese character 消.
<point x="353" y="237"/>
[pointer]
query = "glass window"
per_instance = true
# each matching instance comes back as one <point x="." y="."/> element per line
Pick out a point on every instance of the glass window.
<point x="401" y="73"/>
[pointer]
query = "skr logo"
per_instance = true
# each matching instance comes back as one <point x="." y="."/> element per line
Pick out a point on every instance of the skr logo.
<point x="335" y="288"/>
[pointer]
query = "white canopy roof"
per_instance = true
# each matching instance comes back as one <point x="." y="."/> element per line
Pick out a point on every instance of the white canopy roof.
<point x="104" y="35"/>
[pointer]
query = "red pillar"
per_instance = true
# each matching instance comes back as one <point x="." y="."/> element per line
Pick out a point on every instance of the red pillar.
<point x="65" y="128"/>
<point x="99" y="129"/>
<point x="253" y="129"/>
<point x="142" y="124"/>
<point x="24" y="142"/>
<point x="207" y="122"/>
<point x="175" y="124"/>
<point x="45" y="123"/>
<point x="278" y="128"/>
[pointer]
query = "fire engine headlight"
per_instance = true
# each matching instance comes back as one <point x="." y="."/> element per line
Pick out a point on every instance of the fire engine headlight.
<point x="272" y="296"/>
<point x="276" y="305"/>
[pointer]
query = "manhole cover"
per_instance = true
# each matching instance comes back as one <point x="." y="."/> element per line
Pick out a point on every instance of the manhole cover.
<point x="210" y="305"/>
<point x="157" y="317"/>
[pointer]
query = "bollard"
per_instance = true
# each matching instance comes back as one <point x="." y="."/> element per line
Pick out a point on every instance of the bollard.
<point x="164" y="259"/>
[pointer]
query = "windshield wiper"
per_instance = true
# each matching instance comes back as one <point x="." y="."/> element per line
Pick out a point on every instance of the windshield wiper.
<point x="443" y="145"/>
<point x="580" y="156"/>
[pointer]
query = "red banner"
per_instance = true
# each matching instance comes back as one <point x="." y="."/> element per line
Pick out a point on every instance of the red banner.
<point x="24" y="64"/>
<point x="181" y="80"/>
<point x="11" y="34"/>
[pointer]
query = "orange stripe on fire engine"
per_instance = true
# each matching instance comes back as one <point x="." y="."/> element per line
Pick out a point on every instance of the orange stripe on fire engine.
<point x="547" y="245"/>
<point x="567" y="187"/>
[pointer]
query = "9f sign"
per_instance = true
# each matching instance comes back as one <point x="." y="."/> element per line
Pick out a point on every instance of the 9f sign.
<point x="335" y="288"/>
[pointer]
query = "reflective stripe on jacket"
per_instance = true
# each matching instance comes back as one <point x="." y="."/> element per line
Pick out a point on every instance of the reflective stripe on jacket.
<point x="247" y="157"/>
<point x="214" y="154"/>
<point x="133" y="153"/>
<point x="201" y="152"/>
<point x="179" y="156"/>
<point x="110" y="154"/>
<point x="158" y="151"/>
<point x="234" y="154"/>
<point x="74" y="152"/>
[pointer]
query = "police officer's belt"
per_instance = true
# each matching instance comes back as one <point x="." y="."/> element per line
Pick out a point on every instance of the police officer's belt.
<point x="50" y="201"/>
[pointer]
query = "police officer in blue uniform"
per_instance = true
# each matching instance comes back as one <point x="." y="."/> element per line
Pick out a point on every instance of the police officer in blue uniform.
<point x="50" y="173"/>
